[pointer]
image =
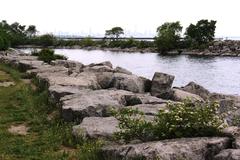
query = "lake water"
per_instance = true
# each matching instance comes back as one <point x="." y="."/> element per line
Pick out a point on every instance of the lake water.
<point x="218" y="74"/>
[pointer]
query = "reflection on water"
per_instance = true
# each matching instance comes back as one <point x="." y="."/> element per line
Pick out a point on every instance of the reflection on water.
<point x="218" y="74"/>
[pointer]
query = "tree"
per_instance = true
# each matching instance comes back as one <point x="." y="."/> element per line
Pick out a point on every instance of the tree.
<point x="200" y="34"/>
<point x="31" y="31"/>
<point x="168" y="36"/>
<point x="114" y="33"/>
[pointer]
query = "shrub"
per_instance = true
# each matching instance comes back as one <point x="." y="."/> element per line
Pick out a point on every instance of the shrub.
<point x="185" y="119"/>
<point x="46" y="40"/>
<point x="87" y="42"/>
<point x="47" y="55"/>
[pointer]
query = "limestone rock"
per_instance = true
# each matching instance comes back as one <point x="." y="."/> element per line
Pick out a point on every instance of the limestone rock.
<point x="92" y="103"/>
<point x="130" y="83"/>
<point x="96" y="127"/>
<point x="161" y="85"/>
<point x="149" y="109"/>
<point x="122" y="70"/>
<point x="185" y="148"/>
<point x="180" y="95"/>
<point x="195" y="88"/>
<point x="228" y="154"/>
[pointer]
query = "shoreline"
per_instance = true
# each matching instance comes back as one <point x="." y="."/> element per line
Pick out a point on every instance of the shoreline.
<point x="206" y="53"/>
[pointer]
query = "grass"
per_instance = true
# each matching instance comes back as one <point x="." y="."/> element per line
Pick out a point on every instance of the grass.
<point x="47" y="139"/>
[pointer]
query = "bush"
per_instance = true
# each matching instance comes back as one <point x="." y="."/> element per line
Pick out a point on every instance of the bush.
<point x="185" y="119"/>
<point x="47" y="55"/>
<point x="46" y="40"/>
<point x="4" y="41"/>
<point x="87" y="42"/>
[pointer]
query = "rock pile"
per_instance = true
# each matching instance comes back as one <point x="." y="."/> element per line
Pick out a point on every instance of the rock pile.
<point x="86" y="93"/>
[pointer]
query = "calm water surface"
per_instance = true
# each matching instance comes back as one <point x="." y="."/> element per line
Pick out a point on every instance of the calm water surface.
<point x="218" y="74"/>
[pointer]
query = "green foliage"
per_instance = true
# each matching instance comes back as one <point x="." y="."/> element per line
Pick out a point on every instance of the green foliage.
<point x="168" y="36"/>
<point x="185" y="119"/>
<point x="200" y="34"/>
<point x="129" y="43"/>
<point x="46" y="40"/>
<point x="47" y="55"/>
<point x="15" y="34"/>
<point x="87" y="42"/>
<point x="4" y="40"/>
<point x="114" y="33"/>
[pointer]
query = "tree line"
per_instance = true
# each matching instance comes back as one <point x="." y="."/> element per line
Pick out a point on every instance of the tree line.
<point x="169" y="37"/>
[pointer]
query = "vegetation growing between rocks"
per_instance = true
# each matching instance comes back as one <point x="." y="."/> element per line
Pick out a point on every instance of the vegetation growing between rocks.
<point x="47" y="55"/>
<point x="48" y="137"/>
<point x="185" y="119"/>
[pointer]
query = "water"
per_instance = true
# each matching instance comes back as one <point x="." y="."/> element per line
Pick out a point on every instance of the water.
<point x="217" y="74"/>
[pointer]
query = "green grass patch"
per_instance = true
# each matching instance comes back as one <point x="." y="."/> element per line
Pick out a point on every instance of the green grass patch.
<point x="47" y="138"/>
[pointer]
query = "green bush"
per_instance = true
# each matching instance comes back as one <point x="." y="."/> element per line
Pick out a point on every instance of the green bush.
<point x="47" y="55"/>
<point x="46" y="40"/>
<point x="87" y="42"/>
<point x="185" y="119"/>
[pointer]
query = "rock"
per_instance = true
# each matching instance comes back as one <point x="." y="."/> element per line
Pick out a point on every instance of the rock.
<point x="6" y="84"/>
<point x="131" y="83"/>
<point x="57" y="91"/>
<point x="149" y="109"/>
<point x="72" y="65"/>
<point x="234" y="133"/>
<point x="48" y="70"/>
<point x="106" y="63"/>
<point x="104" y="79"/>
<point x="184" y="148"/>
<point x="180" y="95"/>
<point x="97" y="103"/>
<point x="228" y="154"/>
<point x="20" y="129"/>
<point x="195" y="88"/>
<point x="92" y="103"/>
<point x="98" y="68"/>
<point x="96" y="127"/>
<point x="84" y="80"/>
<point x="161" y="85"/>
<point x="122" y="70"/>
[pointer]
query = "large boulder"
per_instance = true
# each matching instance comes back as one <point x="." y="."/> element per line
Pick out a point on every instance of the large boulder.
<point x="82" y="81"/>
<point x="73" y="66"/>
<point x="195" y="88"/>
<point x="180" y="95"/>
<point x="96" y="127"/>
<point x="149" y="109"/>
<point x="161" y="85"/>
<point x="122" y="70"/>
<point x="98" y="103"/>
<point x="57" y="91"/>
<point x="90" y="103"/>
<point x="228" y="154"/>
<point x="131" y="83"/>
<point x="185" y="148"/>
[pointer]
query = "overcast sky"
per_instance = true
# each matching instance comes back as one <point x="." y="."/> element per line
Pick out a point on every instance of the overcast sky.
<point x="136" y="17"/>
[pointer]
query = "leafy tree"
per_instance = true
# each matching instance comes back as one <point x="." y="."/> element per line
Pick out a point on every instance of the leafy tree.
<point x="200" y="34"/>
<point x="31" y="31"/>
<point x="168" y="36"/>
<point x="114" y="33"/>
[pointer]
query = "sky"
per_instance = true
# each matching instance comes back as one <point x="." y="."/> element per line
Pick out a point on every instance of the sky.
<point x="136" y="17"/>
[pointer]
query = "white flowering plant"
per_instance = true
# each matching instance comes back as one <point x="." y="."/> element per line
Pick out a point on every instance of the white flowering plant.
<point x="185" y="119"/>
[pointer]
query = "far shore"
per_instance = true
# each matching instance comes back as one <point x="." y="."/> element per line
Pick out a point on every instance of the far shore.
<point x="205" y="52"/>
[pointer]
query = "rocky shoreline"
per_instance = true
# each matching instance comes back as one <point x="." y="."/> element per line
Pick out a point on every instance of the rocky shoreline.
<point x="227" y="48"/>
<point x="85" y="93"/>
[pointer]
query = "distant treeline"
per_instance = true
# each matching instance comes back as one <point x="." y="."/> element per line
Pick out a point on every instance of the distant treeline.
<point x="196" y="36"/>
